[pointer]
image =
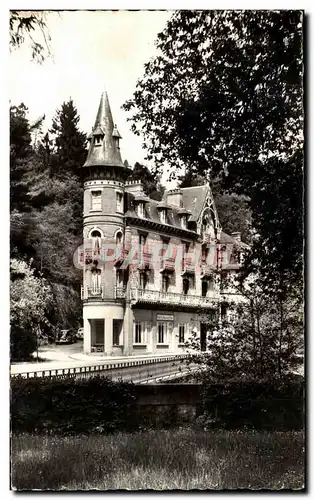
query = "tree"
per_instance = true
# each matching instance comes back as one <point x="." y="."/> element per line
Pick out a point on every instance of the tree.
<point x="68" y="156"/>
<point x="150" y="180"/>
<point x="22" y="27"/>
<point x="20" y="153"/>
<point x="256" y="337"/>
<point x="224" y="96"/>
<point x="30" y="300"/>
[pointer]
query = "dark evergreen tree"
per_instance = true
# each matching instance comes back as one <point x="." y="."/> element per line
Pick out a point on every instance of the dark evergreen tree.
<point x="150" y="180"/>
<point x="69" y="154"/>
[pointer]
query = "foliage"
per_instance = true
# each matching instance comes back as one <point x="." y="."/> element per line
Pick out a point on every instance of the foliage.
<point x="260" y="334"/>
<point x="223" y="96"/>
<point x="23" y="25"/>
<point x="20" y="153"/>
<point x="46" y="205"/>
<point x="69" y="154"/>
<point x="56" y="405"/>
<point x="181" y="459"/>
<point x="30" y="301"/>
<point x="258" y="404"/>
<point x="150" y="180"/>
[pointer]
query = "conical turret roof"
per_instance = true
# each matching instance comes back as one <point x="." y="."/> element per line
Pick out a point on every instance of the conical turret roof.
<point x="104" y="145"/>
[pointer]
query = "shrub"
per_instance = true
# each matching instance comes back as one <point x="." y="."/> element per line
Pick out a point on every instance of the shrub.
<point x="265" y="404"/>
<point x="69" y="406"/>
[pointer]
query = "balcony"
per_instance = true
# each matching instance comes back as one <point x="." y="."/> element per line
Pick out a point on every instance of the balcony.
<point x="168" y="265"/>
<point x="207" y="269"/>
<point x="121" y="255"/>
<point x="143" y="296"/>
<point x="92" y="292"/>
<point x="120" y="292"/>
<point x="144" y="260"/>
<point x="188" y="267"/>
<point x="88" y="256"/>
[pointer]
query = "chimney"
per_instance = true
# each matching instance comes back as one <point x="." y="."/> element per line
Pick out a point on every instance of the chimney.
<point x="134" y="187"/>
<point x="236" y="236"/>
<point x="174" y="197"/>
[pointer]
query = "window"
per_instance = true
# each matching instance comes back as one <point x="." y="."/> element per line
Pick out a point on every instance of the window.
<point x="163" y="216"/>
<point x="96" y="243"/>
<point x="140" y="209"/>
<point x="181" y="334"/>
<point x="165" y="283"/>
<point x="143" y="280"/>
<point x="119" y="237"/>
<point x="117" y="332"/>
<point x="142" y="239"/>
<point x="96" y="280"/>
<point x="119" y="200"/>
<point x="137" y="333"/>
<point x="186" y="286"/>
<point x="119" y="278"/>
<point x="98" y="327"/>
<point x="96" y="200"/>
<point x="205" y="252"/>
<point x="204" y="288"/>
<point x="140" y="332"/>
<point x="97" y="140"/>
<point x="211" y="283"/>
<point x="184" y="221"/>
<point x="162" y="333"/>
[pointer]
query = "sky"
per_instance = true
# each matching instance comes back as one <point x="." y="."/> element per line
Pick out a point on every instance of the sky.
<point x="91" y="52"/>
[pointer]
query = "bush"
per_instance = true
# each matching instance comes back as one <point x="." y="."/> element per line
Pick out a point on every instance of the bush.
<point x="265" y="404"/>
<point x="22" y="343"/>
<point x="69" y="406"/>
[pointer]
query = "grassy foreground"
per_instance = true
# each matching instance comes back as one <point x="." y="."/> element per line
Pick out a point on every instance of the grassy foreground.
<point x="159" y="460"/>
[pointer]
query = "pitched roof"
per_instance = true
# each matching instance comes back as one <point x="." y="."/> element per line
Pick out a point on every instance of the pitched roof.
<point x="108" y="152"/>
<point x="193" y="198"/>
<point x="226" y="238"/>
<point x="152" y="212"/>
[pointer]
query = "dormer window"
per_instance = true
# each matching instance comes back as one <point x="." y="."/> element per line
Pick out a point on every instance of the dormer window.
<point x="140" y="209"/>
<point x="184" y="221"/>
<point x="184" y="214"/>
<point x="98" y="140"/>
<point x="163" y="216"/>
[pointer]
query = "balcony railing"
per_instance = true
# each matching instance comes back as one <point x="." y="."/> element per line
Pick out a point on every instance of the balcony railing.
<point x="121" y="254"/>
<point x="144" y="260"/>
<point x="188" y="267"/>
<point x="207" y="269"/>
<point x="89" y="292"/>
<point x="140" y="295"/>
<point x="168" y="264"/>
<point x="120" y="292"/>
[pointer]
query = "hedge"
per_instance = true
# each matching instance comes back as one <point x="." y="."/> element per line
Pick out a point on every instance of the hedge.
<point x="69" y="406"/>
<point x="265" y="404"/>
<point x="82" y="406"/>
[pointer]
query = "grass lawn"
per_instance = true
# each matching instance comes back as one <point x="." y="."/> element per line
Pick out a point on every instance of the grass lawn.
<point x="159" y="460"/>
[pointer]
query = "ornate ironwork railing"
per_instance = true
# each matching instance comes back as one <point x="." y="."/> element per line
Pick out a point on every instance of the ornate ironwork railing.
<point x="89" y="291"/>
<point x="120" y="292"/>
<point x="141" y="295"/>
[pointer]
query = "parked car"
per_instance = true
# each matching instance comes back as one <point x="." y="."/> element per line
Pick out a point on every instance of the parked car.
<point x="66" y="337"/>
<point x="80" y="333"/>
